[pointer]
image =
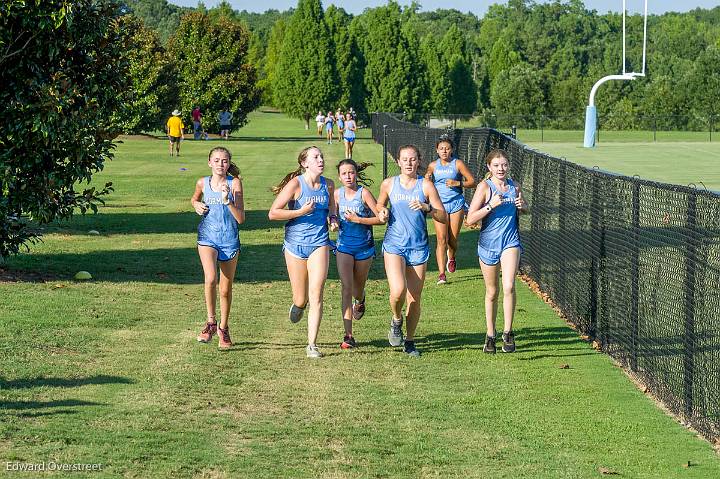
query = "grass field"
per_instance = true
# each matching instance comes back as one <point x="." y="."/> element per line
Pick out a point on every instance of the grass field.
<point x="109" y="372"/>
<point x="682" y="162"/>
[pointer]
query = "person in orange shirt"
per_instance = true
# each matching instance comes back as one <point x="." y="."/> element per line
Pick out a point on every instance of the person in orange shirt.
<point x="175" y="129"/>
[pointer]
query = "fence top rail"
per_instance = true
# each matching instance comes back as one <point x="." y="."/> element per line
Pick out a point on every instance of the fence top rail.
<point x="595" y="171"/>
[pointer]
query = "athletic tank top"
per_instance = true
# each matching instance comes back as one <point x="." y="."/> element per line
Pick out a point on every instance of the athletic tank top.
<point x="441" y="173"/>
<point x="407" y="228"/>
<point x="310" y="229"/>
<point x="348" y="133"/>
<point x="218" y="226"/>
<point x="354" y="234"/>
<point x="499" y="229"/>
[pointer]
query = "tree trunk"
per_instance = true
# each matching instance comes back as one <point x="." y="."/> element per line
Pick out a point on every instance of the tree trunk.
<point x="307" y="122"/>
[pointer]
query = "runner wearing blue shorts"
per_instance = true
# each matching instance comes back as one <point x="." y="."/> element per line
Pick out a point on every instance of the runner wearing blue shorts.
<point x="496" y="204"/>
<point x="450" y="175"/>
<point x="219" y="200"/>
<point x="304" y="199"/>
<point x="405" y="247"/>
<point x="340" y="119"/>
<point x="329" y="121"/>
<point x="349" y="135"/>
<point x="357" y="213"/>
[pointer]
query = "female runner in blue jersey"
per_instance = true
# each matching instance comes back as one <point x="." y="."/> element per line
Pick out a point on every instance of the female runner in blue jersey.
<point x="219" y="200"/>
<point x="450" y="175"/>
<point x="357" y="212"/>
<point x="349" y="135"/>
<point x="309" y="198"/>
<point x="496" y="204"/>
<point x="329" y="121"/>
<point x="406" y="249"/>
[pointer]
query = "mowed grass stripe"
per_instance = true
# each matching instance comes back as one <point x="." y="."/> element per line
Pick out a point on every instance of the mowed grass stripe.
<point x="109" y="371"/>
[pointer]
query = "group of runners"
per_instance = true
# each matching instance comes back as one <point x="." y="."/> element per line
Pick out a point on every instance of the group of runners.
<point x="312" y="207"/>
<point x="346" y="126"/>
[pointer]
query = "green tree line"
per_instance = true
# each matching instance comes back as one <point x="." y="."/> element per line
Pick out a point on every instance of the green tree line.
<point x="522" y="58"/>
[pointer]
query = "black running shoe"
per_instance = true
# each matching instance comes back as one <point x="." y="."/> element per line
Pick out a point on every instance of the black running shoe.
<point x="489" y="347"/>
<point x="508" y="342"/>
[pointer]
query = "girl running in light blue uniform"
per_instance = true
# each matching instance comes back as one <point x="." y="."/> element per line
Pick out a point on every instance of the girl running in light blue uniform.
<point x="329" y="121"/>
<point x="305" y="234"/>
<point x="357" y="212"/>
<point x="450" y="176"/>
<point x="219" y="229"/>
<point x="497" y="202"/>
<point x="405" y="247"/>
<point x="309" y="197"/>
<point x="219" y="200"/>
<point x="340" y="119"/>
<point x="349" y="135"/>
<point x="499" y="229"/>
<point x="406" y="233"/>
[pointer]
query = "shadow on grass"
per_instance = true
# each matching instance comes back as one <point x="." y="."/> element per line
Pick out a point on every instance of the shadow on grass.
<point x="62" y="382"/>
<point x="22" y="405"/>
<point x="528" y="339"/>
<point x="110" y="222"/>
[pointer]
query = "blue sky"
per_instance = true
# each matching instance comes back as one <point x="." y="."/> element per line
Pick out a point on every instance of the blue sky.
<point x="478" y="7"/>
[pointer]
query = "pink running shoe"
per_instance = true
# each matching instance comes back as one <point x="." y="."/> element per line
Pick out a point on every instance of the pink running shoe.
<point x="207" y="333"/>
<point x="451" y="265"/>
<point x="442" y="279"/>
<point x="224" y="338"/>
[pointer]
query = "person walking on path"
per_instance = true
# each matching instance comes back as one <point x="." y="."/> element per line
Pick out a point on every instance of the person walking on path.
<point x="197" y="123"/>
<point x="175" y="130"/>
<point x="225" y="118"/>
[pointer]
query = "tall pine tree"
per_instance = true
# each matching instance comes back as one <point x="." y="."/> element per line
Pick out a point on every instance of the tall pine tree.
<point x="349" y="59"/>
<point x="394" y="74"/>
<point x="306" y="78"/>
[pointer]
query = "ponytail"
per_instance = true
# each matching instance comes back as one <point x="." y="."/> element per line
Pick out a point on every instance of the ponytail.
<point x="299" y="171"/>
<point x="233" y="169"/>
<point x="278" y="188"/>
<point x="361" y="178"/>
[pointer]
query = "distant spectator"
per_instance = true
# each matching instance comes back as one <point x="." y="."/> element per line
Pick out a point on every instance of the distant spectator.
<point x="225" y="118"/>
<point x="174" y="128"/>
<point x="197" y="123"/>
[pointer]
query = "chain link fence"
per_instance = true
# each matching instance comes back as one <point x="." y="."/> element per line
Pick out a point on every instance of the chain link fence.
<point x="633" y="264"/>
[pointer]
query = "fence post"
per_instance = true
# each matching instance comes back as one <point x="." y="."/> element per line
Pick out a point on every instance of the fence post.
<point x="634" y="275"/>
<point x="691" y="263"/>
<point x="384" y="151"/>
<point x="542" y="129"/>
<point x="654" y="128"/>
<point x="712" y="120"/>
<point x="597" y="254"/>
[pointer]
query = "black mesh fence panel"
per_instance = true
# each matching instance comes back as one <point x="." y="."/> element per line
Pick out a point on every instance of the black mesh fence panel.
<point x="634" y="264"/>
